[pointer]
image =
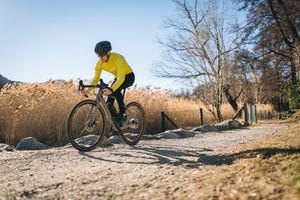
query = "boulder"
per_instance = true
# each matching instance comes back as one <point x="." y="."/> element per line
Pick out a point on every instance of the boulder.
<point x="206" y="128"/>
<point x="150" y="137"/>
<point x="227" y="125"/>
<point x="169" y="134"/>
<point x="115" y="139"/>
<point x="5" y="147"/>
<point x="185" y="133"/>
<point x="222" y="126"/>
<point x="30" y="143"/>
<point x="233" y="124"/>
<point x="105" y="143"/>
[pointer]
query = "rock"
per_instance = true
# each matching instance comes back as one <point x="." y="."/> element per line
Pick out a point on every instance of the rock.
<point x="233" y="124"/>
<point x="91" y="139"/>
<point x="5" y="147"/>
<point x="206" y="128"/>
<point x="115" y="139"/>
<point x="185" y="133"/>
<point x="30" y="143"/>
<point x="172" y="134"/>
<point x="222" y="126"/>
<point x="105" y="142"/>
<point x="168" y="135"/>
<point x="150" y="137"/>
<point x="226" y="125"/>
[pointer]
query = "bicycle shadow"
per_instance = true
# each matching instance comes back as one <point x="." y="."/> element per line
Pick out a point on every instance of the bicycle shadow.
<point x="166" y="154"/>
<point x="186" y="156"/>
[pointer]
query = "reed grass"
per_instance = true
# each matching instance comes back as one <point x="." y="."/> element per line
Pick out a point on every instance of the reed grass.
<point x="40" y="110"/>
<point x="265" y="111"/>
<point x="37" y="110"/>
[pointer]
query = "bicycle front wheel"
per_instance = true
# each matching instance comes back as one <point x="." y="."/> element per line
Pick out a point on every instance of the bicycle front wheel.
<point x="85" y="125"/>
<point x="135" y="123"/>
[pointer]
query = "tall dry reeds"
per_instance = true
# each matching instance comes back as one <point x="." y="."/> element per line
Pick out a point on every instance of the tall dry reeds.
<point x="265" y="111"/>
<point x="37" y="110"/>
<point x="185" y="113"/>
<point x="40" y="110"/>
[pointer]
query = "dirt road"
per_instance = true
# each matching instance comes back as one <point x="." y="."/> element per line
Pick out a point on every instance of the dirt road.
<point x="190" y="168"/>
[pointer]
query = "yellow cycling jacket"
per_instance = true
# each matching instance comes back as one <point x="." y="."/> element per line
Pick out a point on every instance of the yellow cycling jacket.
<point x="115" y="65"/>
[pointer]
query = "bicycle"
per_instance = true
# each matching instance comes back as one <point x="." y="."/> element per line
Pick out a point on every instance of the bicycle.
<point x="87" y="120"/>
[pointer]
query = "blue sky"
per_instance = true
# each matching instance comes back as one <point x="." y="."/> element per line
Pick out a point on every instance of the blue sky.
<point x="55" y="39"/>
<point x="43" y="39"/>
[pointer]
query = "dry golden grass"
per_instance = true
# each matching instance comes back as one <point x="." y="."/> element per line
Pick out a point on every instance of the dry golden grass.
<point x="265" y="111"/>
<point x="185" y="113"/>
<point x="37" y="110"/>
<point x="40" y="110"/>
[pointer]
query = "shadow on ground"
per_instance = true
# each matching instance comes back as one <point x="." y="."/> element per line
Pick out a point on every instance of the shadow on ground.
<point x="228" y="159"/>
<point x="187" y="156"/>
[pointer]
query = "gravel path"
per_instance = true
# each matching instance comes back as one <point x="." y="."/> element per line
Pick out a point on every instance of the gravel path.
<point x="153" y="169"/>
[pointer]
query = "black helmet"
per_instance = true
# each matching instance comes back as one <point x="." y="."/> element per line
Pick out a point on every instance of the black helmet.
<point x="102" y="47"/>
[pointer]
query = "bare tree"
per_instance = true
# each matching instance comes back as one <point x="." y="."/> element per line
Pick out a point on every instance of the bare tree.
<point x="262" y="77"/>
<point x="247" y="68"/>
<point x="199" y="51"/>
<point x="274" y="29"/>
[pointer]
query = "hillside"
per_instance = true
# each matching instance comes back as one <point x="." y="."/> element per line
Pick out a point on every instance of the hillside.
<point x="4" y="80"/>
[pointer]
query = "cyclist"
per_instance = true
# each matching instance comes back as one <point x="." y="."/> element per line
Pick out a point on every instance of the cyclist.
<point x="115" y="64"/>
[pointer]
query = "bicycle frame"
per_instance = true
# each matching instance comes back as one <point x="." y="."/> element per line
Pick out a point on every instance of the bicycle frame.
<point x="101" y="102"/>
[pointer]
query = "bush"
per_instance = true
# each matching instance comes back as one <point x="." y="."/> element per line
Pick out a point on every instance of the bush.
<point x="294" y="97"/>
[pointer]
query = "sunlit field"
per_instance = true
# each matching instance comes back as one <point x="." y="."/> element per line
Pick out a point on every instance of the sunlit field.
<point x="40" y="110"/>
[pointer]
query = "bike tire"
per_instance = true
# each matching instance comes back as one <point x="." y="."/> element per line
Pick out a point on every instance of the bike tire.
<point x="86" y="125"/>
<point x="135" y="121"/>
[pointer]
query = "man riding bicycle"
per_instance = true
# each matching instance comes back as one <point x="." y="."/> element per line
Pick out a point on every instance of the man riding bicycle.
<point x="115" y="64"/>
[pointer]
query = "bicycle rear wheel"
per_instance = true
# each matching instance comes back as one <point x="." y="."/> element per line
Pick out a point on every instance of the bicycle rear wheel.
<point x="135" y="123"/>
<point x="85" y="125"/>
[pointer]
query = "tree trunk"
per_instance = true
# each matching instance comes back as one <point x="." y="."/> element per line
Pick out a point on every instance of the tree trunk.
<point x="295" y="64"/>
<point x="219" y="103"/>
<point x="231" y="100"/>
